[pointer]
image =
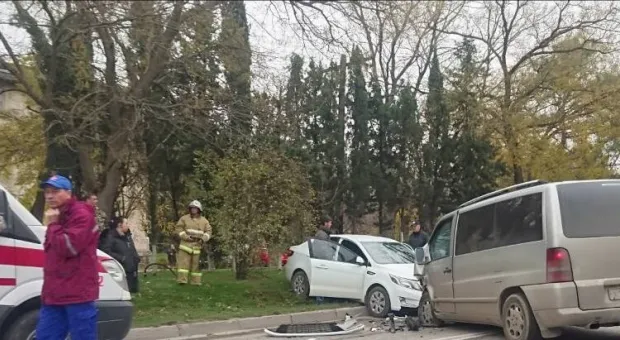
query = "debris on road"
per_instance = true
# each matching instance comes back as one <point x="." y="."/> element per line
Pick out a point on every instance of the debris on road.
<point x="394" y="323"/>
<point x="349" y="326"/>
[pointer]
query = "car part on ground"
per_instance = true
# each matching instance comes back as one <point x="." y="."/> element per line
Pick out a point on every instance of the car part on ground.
<point x="349" y="326"/>
<point x="394" y="324"/>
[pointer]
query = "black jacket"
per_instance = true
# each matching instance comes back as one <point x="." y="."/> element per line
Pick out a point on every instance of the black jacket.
<point x="122" y="249"/>
<point x="418" y="240"/>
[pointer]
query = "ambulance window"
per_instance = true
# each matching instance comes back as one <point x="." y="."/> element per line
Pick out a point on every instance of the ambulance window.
<point x="13" y="225"/>
<point x="3" y="213"/>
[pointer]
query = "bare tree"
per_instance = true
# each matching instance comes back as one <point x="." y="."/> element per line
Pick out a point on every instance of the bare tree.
<point x="77" y="95"/>
<point x="517" y="33"/>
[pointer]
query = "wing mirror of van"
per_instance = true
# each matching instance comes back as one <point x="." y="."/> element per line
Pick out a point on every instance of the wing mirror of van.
<point x="359" y="260"/>
<point x="420" y="257"/>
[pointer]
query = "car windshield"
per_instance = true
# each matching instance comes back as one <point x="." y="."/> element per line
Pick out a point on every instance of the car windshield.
<point x="389" y="252"/>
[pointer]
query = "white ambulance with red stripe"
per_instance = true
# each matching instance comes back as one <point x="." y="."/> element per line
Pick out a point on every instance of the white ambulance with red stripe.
<point x="21" y="278"/>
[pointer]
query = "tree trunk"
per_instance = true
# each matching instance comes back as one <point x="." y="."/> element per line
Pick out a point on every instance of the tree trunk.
<point x="210" y="259"/>
<point x="242" y="267"/>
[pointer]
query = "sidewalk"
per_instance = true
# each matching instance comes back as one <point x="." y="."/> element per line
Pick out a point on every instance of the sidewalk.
<point x="239" y="325"/>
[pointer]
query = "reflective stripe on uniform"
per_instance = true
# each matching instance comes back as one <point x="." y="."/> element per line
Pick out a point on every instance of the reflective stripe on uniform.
<point x="183" y="270"/>
<point x="182" y="233"/>
<point x="197" y="274"/>
<point x="186" y="249"/>
<point x="197" y="251"/>
<point x="195" y="231"/>
<point x="69" y="245"/>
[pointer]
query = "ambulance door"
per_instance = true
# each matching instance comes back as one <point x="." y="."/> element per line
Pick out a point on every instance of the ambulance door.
<point x="8" y="273"/>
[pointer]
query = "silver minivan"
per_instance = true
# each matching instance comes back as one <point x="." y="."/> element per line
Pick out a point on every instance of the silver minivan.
<point x="530" y="258"/>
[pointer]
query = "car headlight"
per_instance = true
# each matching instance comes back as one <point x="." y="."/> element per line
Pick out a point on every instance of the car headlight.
<point x="407" y="283"/>
<point x="116" y="271"/>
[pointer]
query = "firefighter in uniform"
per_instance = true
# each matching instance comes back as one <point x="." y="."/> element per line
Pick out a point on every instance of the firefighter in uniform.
<point x="193" y="229"/>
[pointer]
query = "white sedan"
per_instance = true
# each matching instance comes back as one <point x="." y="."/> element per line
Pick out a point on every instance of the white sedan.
<point x="377" y="271"/>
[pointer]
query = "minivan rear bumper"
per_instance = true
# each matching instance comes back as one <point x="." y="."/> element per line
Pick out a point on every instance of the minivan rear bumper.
<point x="553" y="318"/>
<point x="557" y="305"/>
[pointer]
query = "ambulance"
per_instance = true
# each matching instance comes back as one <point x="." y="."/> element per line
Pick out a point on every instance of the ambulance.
<point x="21" y="278"/>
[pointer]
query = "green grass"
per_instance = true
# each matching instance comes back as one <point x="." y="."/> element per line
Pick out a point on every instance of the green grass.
<point x="162" y="302"/>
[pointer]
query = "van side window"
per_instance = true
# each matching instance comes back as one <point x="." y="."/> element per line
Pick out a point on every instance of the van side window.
<point x="475" y="231"/>
<point x="439" y="245"/>
<point x="519" y="220"/>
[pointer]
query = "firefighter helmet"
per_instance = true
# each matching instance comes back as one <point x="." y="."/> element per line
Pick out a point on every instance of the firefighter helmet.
<point x="195" y="204"/>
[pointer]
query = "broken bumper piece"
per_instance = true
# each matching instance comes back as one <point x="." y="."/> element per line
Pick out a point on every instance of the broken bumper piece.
<point x="316" y="329"/>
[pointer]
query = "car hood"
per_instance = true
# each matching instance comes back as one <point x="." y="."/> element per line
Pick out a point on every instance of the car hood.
<point x="404" y="270"/>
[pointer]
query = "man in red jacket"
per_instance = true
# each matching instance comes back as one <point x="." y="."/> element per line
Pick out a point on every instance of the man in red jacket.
<point x="70" y="275"/>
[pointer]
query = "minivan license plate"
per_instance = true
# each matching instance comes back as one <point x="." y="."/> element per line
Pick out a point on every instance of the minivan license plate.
<point x="614" y="293"/>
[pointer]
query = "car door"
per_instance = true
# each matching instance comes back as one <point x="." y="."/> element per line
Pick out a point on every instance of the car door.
<point x="322" y="255"/>
<point x="333" y="272"/>
<point x="439" y="269"/>
<point x="348" y="274"/>
<point x="8" y="279"/>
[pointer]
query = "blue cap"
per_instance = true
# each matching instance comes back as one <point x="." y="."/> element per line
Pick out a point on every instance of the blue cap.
<point x="58" y="182"/>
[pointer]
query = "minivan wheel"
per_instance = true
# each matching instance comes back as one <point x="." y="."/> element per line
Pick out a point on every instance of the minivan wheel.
<point x="300" y="284"/>
<point x="24" y="327"/>
<point x="426" y="312"/>
<point x="518" y="320"/>
<point x="378" y="302"/>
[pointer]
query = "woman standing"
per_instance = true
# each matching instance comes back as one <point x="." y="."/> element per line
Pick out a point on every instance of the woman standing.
<point x="119" y="244"/>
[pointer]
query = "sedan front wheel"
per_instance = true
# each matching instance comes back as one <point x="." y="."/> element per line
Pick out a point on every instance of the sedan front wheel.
<point x="378" y="302"/>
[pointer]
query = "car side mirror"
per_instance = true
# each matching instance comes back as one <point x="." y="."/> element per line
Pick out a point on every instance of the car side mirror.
<point x="359" y="260"/>
<point x="420" y="256"/>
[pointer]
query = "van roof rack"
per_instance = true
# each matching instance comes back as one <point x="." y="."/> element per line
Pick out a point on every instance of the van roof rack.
<point x="496" y="193"/>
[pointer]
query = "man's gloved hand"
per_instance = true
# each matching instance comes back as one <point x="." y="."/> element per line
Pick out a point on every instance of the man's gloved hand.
<point x="206" y="237"/>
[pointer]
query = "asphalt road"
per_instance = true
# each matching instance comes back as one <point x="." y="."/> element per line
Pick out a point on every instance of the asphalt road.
<point x="452" y="332"/>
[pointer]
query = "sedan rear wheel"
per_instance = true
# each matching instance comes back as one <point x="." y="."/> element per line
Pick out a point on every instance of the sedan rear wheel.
<point x="378" y="302"/>
<point x="300" y="284"/>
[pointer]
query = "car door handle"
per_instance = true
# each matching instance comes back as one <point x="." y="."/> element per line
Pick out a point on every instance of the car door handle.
<point x="322" y="266"/>
<point x="447" y="270"/>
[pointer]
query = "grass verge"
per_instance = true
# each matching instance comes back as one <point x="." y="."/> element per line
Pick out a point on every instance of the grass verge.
<point x="266" y="292"/>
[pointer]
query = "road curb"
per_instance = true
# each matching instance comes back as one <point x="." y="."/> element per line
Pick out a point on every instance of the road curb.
<point x="230" y="327"/>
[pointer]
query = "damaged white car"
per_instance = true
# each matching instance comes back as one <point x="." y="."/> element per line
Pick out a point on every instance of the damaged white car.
<point x="377" y="271"/>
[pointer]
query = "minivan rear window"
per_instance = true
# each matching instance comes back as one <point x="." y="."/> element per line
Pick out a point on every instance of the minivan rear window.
<point x="590" y="209"/>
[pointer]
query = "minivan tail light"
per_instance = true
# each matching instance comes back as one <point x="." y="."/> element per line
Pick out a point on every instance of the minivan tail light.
<point x="559" y="267"/>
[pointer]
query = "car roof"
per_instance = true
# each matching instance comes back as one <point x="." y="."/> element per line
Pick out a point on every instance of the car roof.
<point x="364" y="238"/>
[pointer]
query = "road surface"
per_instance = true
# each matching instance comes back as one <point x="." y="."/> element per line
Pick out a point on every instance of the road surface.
<point x="453" y="332"/>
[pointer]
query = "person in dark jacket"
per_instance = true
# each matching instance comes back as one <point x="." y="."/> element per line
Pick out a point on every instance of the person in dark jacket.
<point x="418" y="238"/>
<point x="119" y="244"/>
<point x="324" y="229"/>
<point x="70" y="268"/>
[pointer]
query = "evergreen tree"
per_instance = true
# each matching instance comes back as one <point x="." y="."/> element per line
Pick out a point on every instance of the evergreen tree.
<point x="236" y="57"/>
<point x="437" y="152"/>
<point x="406" y="135"/>
<point x="474" y="169"/>
<point x="358" y="106"/>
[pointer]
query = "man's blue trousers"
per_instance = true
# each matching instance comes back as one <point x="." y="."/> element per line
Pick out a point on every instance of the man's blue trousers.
<point x="78" y="320"/>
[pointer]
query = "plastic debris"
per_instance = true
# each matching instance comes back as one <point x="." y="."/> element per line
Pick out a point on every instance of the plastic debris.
<point x="349" y="326"/>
